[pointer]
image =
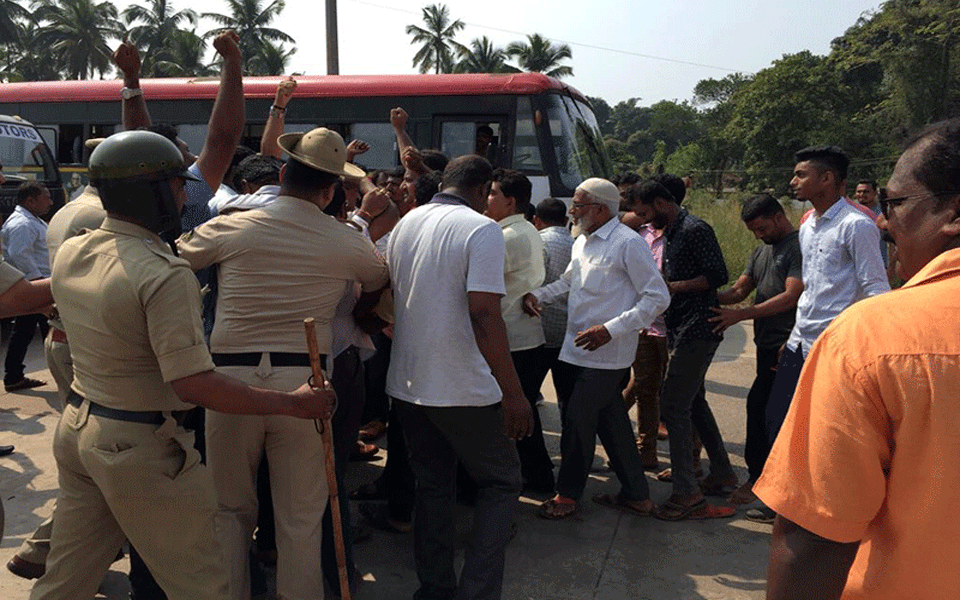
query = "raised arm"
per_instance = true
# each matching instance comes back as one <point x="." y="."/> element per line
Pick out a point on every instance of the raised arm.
<point x="398" y="118"/>
<point x="134" y="108"/>
<point x="276" y="119"/>
<point x="227" y="119"/>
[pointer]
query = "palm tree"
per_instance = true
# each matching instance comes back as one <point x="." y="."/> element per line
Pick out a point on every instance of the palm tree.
<point x="185" y="57"/>
<point x="251" y="20"/>
<point x="437" y="40"/>
<point x="77" y="32"/>
<point x="483" y="57"/>
<point x="539" y="55"/>
<point x="29" y="59"/>
<point x="10" y="11"/>
<point x="271" y="59"/>
<point x="159" y="24"/>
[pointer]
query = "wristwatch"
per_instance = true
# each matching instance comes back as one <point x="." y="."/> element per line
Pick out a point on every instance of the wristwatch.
<point x="277" y="111"/>
<point x="128" y="93"/>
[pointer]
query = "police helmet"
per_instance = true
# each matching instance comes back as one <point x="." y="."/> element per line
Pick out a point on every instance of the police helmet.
<point x="132" y="171"/>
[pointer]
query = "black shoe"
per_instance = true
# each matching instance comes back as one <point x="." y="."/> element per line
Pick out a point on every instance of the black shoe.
<point x="25" y="568"/>
<point x="6" y="450"/>
<point x="24" y="384"/>
<point x="761" y="515"/>
<point x="379" y="517"/>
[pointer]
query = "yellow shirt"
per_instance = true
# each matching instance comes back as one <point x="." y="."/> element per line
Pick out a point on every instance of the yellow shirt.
<point x="523" y="271"/>
<point x="869" y="450"/>
<point x="277" y="266"/>
<point x="131" y="310"/>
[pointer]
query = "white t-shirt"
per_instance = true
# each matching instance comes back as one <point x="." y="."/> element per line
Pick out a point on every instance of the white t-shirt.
<point x="437" y="254"/>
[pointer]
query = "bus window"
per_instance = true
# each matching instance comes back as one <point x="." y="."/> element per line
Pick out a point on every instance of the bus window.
<point x="577" y="141"/>
<point x="526" y="151"/>
<point x="459" y="138"/>
<point x="383" y="145"/>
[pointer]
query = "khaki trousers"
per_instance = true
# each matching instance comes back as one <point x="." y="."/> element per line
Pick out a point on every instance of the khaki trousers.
<point x="298" y="486"/>
<point x="141" y="482"/>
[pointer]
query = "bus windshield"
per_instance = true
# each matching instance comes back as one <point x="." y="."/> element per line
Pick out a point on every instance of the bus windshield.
<point x="23" y="154"/>
<point x="577" y="140"/>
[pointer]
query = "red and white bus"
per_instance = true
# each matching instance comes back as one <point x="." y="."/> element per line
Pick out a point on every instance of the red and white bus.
<point x="542" y="127"/>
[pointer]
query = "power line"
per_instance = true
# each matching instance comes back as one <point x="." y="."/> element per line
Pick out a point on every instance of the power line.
<point x="571" y="43"/>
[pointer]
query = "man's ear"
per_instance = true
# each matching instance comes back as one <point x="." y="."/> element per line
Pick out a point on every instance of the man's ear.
<point x="951" y="225"/>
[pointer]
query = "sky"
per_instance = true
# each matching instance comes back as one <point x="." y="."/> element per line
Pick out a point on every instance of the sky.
<point x="651" y="50"/>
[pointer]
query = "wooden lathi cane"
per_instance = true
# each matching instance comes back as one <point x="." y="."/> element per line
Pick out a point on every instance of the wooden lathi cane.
<point x="320" y="379"/>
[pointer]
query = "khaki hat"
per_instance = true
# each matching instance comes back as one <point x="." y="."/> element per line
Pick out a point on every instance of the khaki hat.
<point x="92" y="143"/>
<point x="320" y="149"/>
<point x="602" y="190"/>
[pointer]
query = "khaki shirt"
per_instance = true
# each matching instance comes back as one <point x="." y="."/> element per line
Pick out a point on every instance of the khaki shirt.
<point x="277" y="266"/>
<point x="8" y="276"/>
<point x="132" y="312"/>
<point x="83" y="212"/>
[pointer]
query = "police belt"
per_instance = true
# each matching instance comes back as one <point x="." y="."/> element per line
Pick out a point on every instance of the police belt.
<point x="147" y="417"/>
<point x="277" y="359"/>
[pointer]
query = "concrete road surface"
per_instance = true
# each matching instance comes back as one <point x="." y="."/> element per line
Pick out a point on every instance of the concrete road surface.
<point x="600" y="554"/>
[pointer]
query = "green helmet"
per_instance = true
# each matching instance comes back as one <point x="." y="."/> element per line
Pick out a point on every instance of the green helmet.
<point x="139" y="155"/>
<point x="132" y="171"/>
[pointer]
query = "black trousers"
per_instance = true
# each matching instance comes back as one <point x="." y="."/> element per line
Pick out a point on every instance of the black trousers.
<point x="758" y="440"/>
<point x="24" y="327"/>
<point x="535" y="463"/>
<point x="784" y="385"/>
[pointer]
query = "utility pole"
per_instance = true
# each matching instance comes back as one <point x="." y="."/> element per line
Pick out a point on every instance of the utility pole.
<point x="333" y="51"/>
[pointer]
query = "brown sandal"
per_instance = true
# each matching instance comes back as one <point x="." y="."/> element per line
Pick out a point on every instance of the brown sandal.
<point x="620" y="503"/>
<point x="557" y="508"/>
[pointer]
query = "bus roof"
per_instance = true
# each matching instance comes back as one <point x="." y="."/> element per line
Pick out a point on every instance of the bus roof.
<point x="336" y="86"/>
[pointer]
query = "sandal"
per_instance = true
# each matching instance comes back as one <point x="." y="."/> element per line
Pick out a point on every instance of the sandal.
<point x="673" y="511"/>
<point x="722" y="488"/>
<point x="620" y="503"/>
<point x="743" y="495"/>
<point x="557" y="508"/>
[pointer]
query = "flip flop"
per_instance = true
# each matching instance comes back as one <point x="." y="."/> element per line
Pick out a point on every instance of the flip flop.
<point x="555" y="510"/>
<point x="719" y="490"/>
<point x="619" y="503"/>
<point x="672" y="511"/>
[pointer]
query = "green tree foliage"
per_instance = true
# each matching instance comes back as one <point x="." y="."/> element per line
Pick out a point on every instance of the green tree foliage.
<point x="186" y="57"/>
<point x="540" y="55"/>
<point x="271" y="59"/>
<point x="437" y="38"/>
<point x="251" y="20"/>
<point x="77" y="32"/>
<point x="483" y="57"/>
<point x="157" y="25"/>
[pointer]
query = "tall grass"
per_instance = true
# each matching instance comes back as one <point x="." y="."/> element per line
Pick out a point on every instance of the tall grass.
<point x="736" y="241"/>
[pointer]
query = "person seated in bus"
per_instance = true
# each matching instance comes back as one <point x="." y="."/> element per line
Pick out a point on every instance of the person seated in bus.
<point x="485" y="145"/>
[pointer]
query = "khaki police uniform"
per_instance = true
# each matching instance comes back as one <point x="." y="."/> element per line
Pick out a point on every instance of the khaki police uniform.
<point x="131" y="310"/>
<point x="277" y="266"/>
<point x="83" y="212"/>
<point x="8" y="277"/>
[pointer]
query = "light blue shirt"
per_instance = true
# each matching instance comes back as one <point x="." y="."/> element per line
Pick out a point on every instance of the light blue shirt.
<point x="841" y="264"/>
<point x="24" y="238"/>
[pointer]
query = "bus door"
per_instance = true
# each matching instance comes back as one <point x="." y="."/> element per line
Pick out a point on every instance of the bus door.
<point x="459" y="135"/>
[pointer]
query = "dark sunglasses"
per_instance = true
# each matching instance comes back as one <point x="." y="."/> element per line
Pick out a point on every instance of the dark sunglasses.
<point x="887" y="203"/>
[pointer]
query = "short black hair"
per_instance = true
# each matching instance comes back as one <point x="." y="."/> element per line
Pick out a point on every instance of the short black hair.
<point x="29" y="189"/>
<point x="426" y="187"/>
<point x="258" y="170"/>
<point x="166" y="130"/>
<point x="827" y="158"/>
<point x="516" y="185"/>
<point x="552" y="212"/>
<point x="397" y="173"/>
<point x="467" y="172"/>
<point x="939" y="166"/>
<point x="673" y="183"/>
<point x="871" y="182"/>
<point x="305" y="178"/>
<point x="239" y="153"/>
<point x="339" y="199"/>
<point x="626" y="178"/>
<point x="434" y="160"/>
<point x="761" y="205"/>
<point x="485" y="129"/>
<point x="647" y="192"/>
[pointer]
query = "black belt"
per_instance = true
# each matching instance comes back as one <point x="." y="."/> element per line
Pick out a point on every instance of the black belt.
<point x="277" y="359"/>
<point x="147" y="417"/>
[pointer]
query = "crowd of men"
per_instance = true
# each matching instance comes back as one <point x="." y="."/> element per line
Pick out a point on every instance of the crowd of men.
<point x="183" y="281"/>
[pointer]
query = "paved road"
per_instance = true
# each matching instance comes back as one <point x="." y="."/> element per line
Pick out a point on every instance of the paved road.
<point x="598" y="555"/>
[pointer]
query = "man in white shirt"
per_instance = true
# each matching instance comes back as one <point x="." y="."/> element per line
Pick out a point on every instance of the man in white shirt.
<point x="615" y="290"/>
<point x="24" y="238"/>
<point x="456" y="393"/>
<point x="523" y="272"/>
<point x="841" y="264"/>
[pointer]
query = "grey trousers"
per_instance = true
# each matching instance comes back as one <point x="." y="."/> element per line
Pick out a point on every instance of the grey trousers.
<point x="596" y="408"/>
<point x="683" y="405"/>
<point x="437" y="438"/>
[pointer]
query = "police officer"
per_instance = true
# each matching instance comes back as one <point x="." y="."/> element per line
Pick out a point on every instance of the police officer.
<point x="131" y="309"/>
